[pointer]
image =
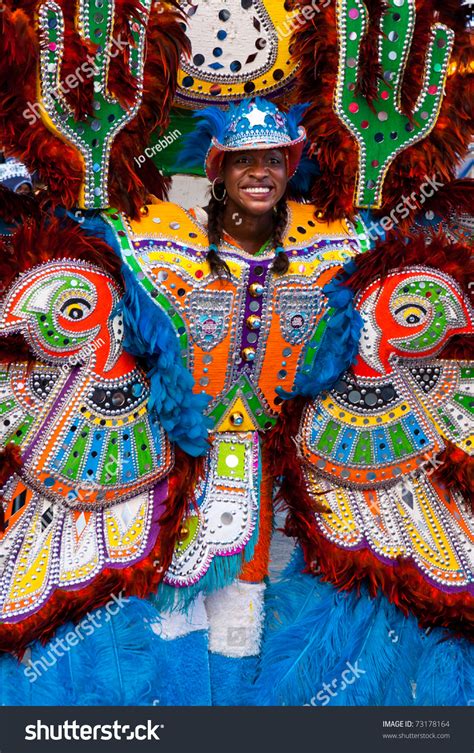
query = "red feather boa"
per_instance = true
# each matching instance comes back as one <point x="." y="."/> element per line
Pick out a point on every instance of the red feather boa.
<point x="394" y="253"/>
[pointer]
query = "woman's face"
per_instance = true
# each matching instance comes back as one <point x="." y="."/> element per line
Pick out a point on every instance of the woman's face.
<point x="255" y="180"/>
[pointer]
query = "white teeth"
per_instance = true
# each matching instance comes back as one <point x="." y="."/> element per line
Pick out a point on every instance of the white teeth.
<point x="263" y="189"/>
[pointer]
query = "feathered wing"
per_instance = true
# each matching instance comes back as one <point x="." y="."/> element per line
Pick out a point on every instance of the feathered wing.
<point x="378" y="471"/>
<point x="92" y="491"/>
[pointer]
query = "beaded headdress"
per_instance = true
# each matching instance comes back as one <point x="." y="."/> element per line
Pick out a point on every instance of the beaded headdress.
<point x="252" y="124"/>
<point x="13" y="175"/>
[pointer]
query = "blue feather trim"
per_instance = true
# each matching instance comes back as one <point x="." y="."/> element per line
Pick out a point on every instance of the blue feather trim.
<point x="326" y="647"/>
<point x="339" y="344"/>
<point x="308" y="170"/>
<point x="211" y="122"/>
<point x="149" y="334"/>
<point x="95" y="225"/>
<point x="222" y="572"/>
<point x="231" y="678"/>
<point x="294" y="117"/>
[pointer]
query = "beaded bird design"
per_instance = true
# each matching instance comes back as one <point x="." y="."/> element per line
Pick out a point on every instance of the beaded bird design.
<point x="388" y="448"/>
<point x="90" y="480"/>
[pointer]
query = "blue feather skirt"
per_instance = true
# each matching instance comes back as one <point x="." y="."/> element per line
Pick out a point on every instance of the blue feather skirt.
<point x="321" y="647"/>
<point x="325" y="647"/>
<point x="123" y="661"/>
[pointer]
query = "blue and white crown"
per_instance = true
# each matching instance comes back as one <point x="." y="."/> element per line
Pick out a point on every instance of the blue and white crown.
<point x="253" y="123"/>
<point x="13" y="174"/>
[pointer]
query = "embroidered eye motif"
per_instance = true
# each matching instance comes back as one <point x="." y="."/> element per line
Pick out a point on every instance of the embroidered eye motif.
<point x="75" y="309"/>
<point x="410" y="314"/>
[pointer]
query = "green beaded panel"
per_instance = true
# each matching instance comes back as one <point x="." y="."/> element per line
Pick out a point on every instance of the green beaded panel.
<point x="94" y="136"/>
<point x="382" y="130"/>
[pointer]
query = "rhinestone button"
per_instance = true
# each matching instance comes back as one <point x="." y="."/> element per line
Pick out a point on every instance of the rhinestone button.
<point x="237" y="419"/>
<point x="254" y="322"/>
<point x="248" y="354"/>
<point x="183" y="533"/>
<point x="256" y="290"/>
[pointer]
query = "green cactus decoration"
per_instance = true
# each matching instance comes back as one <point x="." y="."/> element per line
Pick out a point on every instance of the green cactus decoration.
<point x="383" y="131"/>
<point x="94" y="136"/>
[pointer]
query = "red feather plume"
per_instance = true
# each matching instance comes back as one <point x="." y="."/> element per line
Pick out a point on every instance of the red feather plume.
<point x="48" y="238"/>
<point x="456" y="471"/>
<point x="455" y="259"/>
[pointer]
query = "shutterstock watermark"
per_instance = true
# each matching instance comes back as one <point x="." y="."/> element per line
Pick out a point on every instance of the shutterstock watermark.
<point x="73" y="730"/>
<point x="306" y="13"/>
<point x="379" y="227"/>
<point x="348" y="676"/>
<point x="428" y="465"/>
<point x="87" y="70"/>
<point x="86" y="489"/>
<point x="58" y="647"/>
<point x="163" y="143"/>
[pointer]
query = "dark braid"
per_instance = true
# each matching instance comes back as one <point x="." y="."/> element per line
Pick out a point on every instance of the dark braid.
<point x="281" y="262"/>
<point x="215" y="229"/>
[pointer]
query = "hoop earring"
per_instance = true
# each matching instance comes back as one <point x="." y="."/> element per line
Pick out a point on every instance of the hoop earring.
<point x="213" y="190"/>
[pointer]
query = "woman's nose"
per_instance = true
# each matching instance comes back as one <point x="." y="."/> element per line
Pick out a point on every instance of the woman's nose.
<point x="259" y="170"/>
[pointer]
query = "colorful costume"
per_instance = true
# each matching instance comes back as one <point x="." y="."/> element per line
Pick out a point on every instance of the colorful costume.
<point x="154" y="412"/>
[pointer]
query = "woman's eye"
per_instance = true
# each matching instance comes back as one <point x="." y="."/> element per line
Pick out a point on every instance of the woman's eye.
<point x="75" y="308"/>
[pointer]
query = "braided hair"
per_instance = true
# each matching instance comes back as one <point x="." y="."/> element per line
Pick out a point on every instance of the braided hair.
<point x="215" y="231"/>
<point x="281" y="262"/>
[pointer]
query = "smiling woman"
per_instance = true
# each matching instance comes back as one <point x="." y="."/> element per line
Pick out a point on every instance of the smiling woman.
<point x="243" y="282"/>
<point x="255" y="213"/>
<point x="255" y="150"/>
